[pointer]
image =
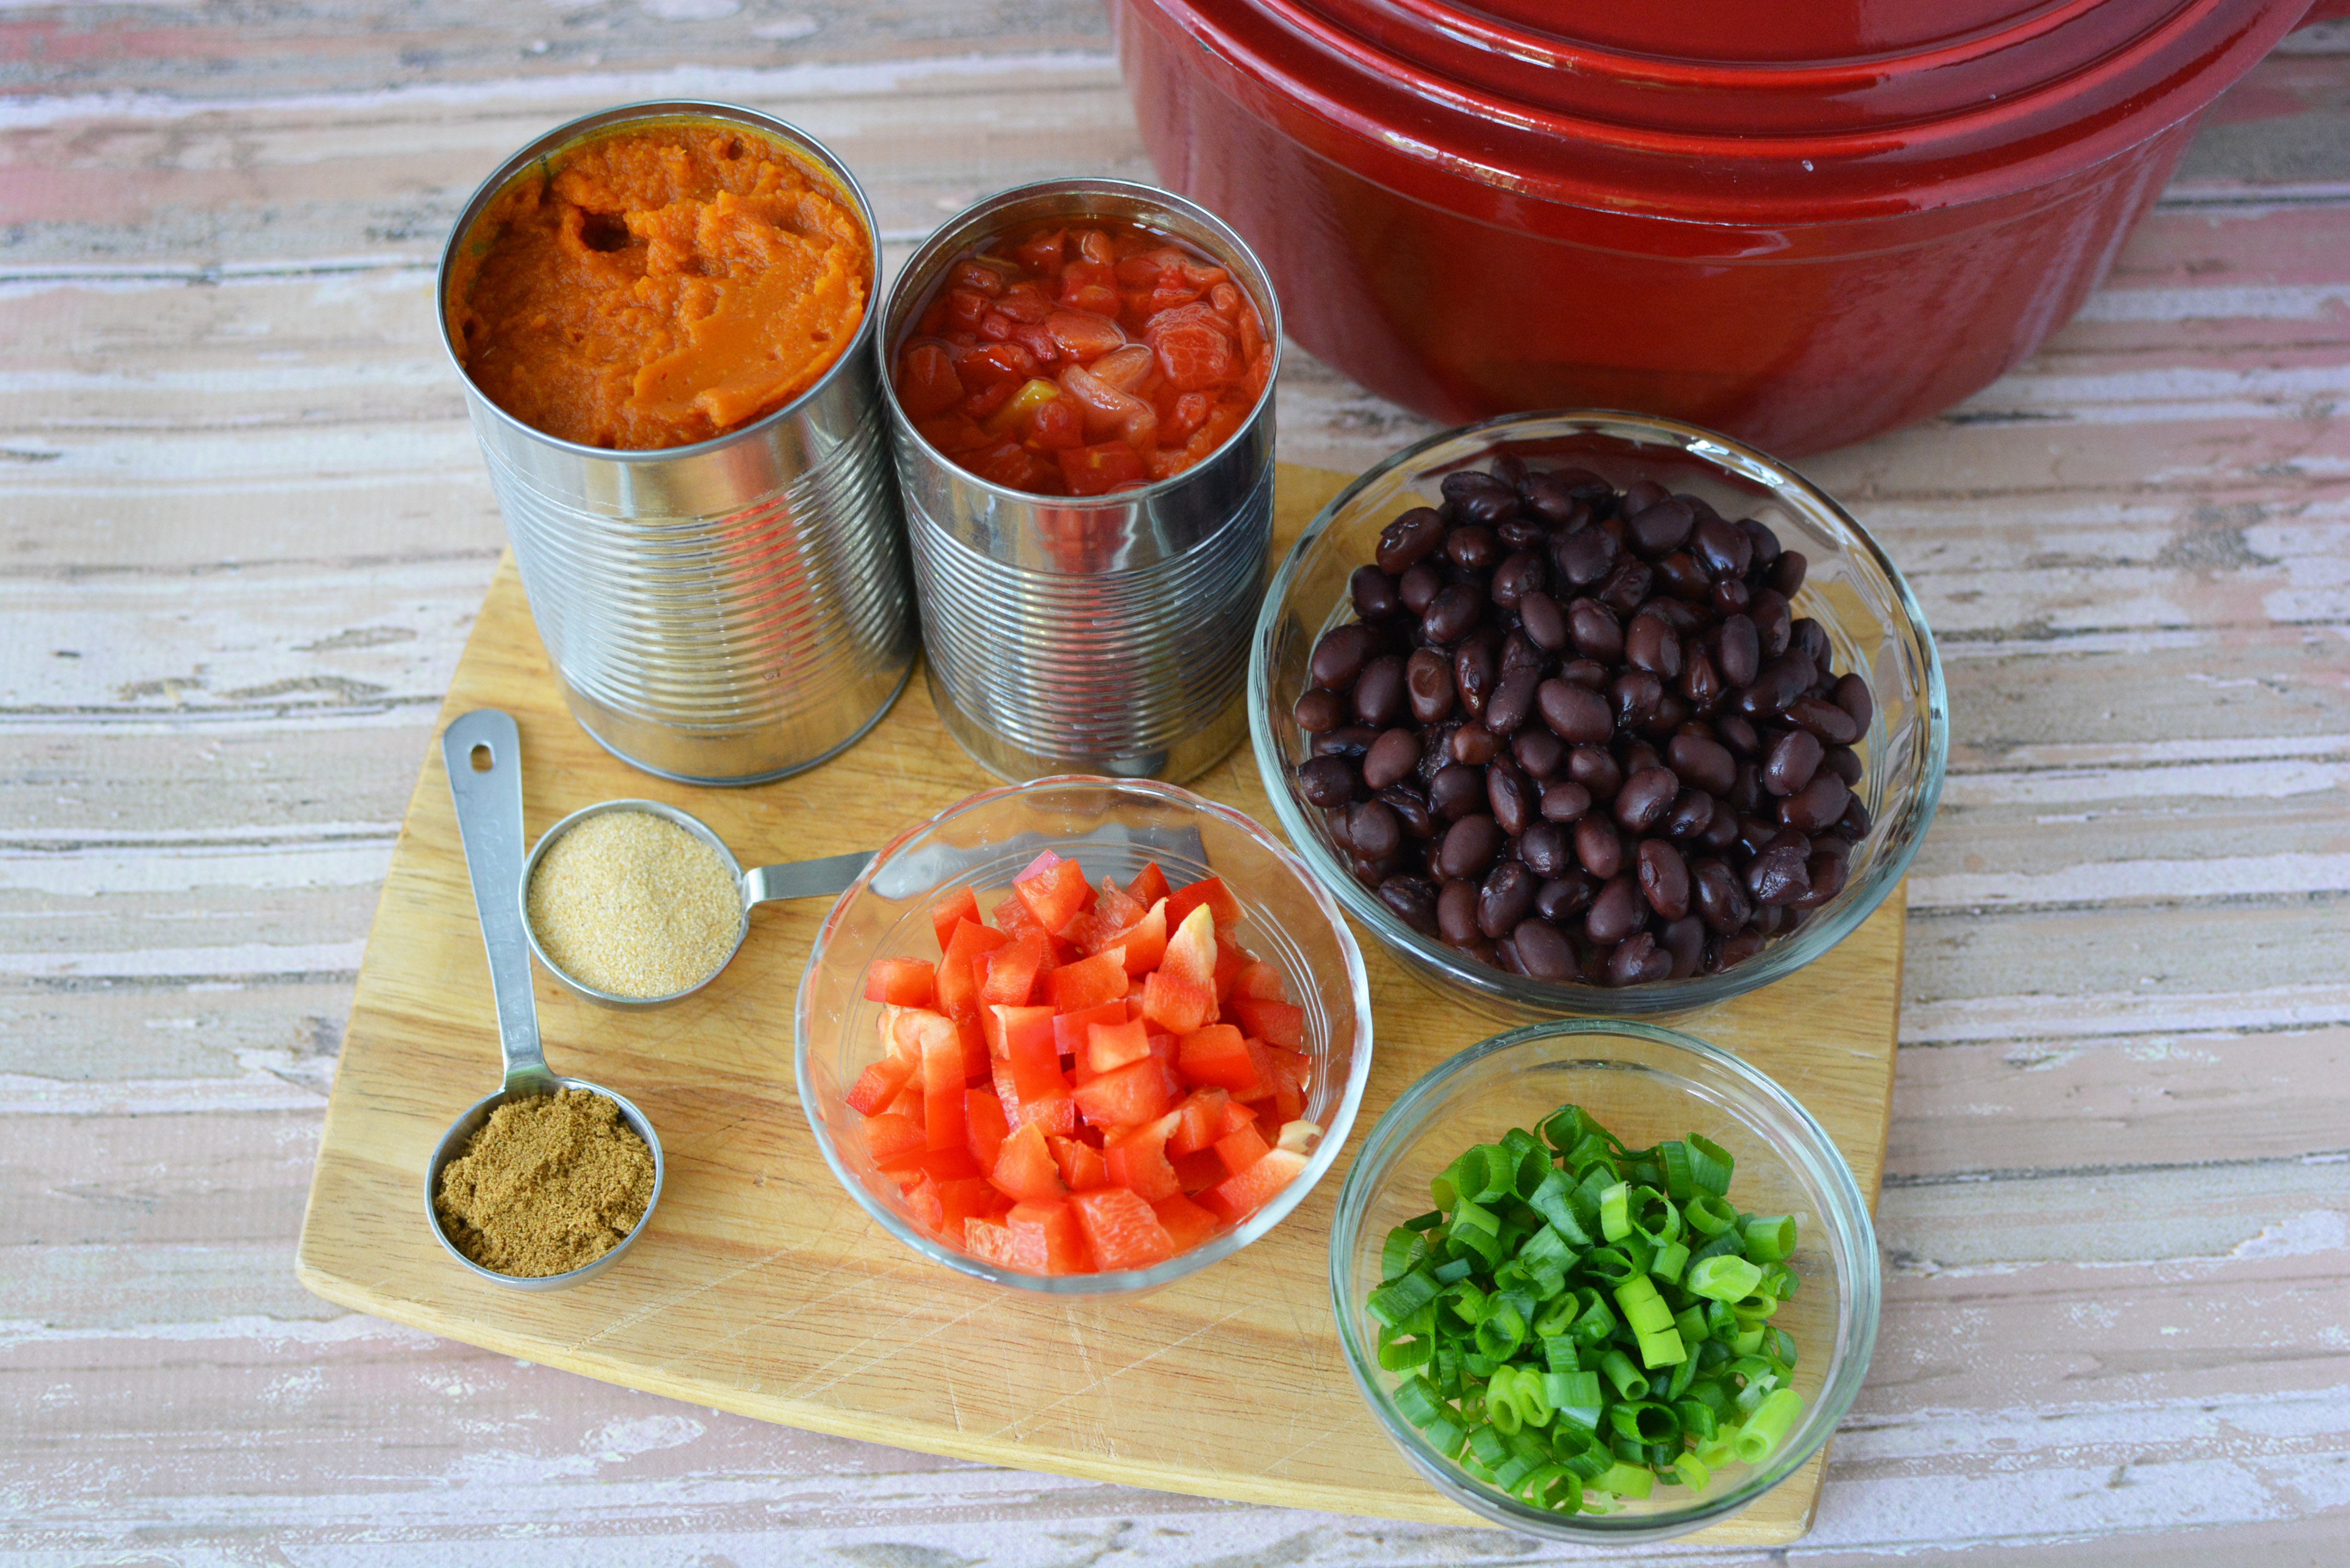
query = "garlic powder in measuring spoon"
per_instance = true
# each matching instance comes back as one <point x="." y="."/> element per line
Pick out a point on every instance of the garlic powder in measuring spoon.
<point x="632" y="904"/>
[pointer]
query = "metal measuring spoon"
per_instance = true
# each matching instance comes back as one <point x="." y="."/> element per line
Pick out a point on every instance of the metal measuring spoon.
<point x="760" y="885"/>
<point x="483" y="751"/>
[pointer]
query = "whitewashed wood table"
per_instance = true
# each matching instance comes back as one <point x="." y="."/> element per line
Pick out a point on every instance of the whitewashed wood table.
<point x="244" y="529"/>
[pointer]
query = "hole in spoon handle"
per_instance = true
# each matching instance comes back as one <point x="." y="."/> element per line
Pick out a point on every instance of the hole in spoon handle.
<point x="490" y="825"/>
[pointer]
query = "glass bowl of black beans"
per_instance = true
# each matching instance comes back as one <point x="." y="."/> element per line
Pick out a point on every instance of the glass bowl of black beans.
<point x="1595" y="713"/>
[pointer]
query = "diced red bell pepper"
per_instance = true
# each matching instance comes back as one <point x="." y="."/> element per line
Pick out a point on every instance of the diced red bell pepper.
<point x="909" y="1103"/>
<point x="1199" y="1120"/>
<point x="975" y="1053"/>
<point x="1200" y="1169"/>
<point x="1095" y="929"/>
<point x="1240" y="1150"/>
<point x="880" y="1084"/>
<point x="938" y="1164"/>
<point x="1219" y="1055"/>
<point x="1187" y="1223"/>
<point x="943" y="1077"/>
<point x="1012" y="919"/>
<point x="900" y="982"/>
<point x="892" y="1139"/>
<point x="1121" y="1230"/>
<point x="1069" y="1029"/>
<point x="1011" y="970"/>
<point x="1286" y="1070"/>
<point x="1081" y="1163"/>
<point x="957" y="986"/>
<point x="1007" y="1092"/>
<point x="1230" y="961"/>
<point x="1238" y="1197"/>
<point x="1150" y="885"/>
<point x="1137" y="1160"/>
<point x="961" y="1200"/>
<point x="985" y="1125"/>
<point x="1109" y="1047"/>
<point x="1001" y="1025"/>
<point x="1042" y="1091"/>
<point x="1144" y="942"/>
<point x="1262" y="981"/>
<point x="1275" y="1022"/>
<point x="992" y="1243"/>
<point x="1047" y="1239"/>
<point x="1088" y="982"/>
<point x="962" y="904"/>
<point x="1025" y="1166"/>
<point x="1177" y="995"/>
<point x="1209" y="890"/>
<point x="1133" y="1095"/>
<point x="922" y="1203"/>
<point x="1055" y="895"/>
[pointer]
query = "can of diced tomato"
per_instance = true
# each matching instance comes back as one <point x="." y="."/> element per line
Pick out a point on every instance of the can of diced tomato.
<point x="1105" y="633"/>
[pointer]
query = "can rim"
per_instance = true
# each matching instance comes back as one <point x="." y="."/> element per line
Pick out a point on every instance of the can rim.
<point x="578" y="129"/>
<point x="925" y="262"/>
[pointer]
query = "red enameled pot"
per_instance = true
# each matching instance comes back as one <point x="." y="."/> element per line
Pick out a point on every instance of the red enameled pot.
<point x="1800" y="223"/>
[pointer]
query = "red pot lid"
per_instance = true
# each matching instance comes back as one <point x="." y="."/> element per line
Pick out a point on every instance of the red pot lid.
<point x="1730" y="111"/>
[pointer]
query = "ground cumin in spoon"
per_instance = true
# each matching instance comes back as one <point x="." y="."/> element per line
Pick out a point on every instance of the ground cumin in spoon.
<point x="550" y="1183"/>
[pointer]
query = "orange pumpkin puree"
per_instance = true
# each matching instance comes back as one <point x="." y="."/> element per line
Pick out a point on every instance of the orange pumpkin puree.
<point x="670" y="283"/>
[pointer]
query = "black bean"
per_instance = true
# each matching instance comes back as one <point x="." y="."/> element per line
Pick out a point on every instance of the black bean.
<point x="1828" y="720"/>
<point x="1720" y="834"/>
<point x="1616" y="911"/>
<point x="1375" y="595"/>
<point x="1738" y="651"/>
<point x="1380" y="697"/>
<point x="1546" y="849"/>
<point x="1518" y="652"/>
<point x="1369" y="873"/>
<point x="1856" y="822"/>
<point x="1765" y="542"/>
<point x="1818" y="806"/>
<point x="1706" y="763"/>
<point x="1664" y="877"/>
<point x="1641" y="494"/>
<point x="1410" y="807"/>
<point x="1428" y="678"/>
<point x="1787" y="572"/>
<point x="1517" y="577"/>
<point x="1635" y="695"/>
<point x="1635" y="753"/>
<point x="1469" y="847"/>
<point x="1522" y="533"/>
<point x="1318" y="712"/>
<point x="1852" y="695"/>
<point x="1393" y="757"/>
<point x="1346" y="741"/>
<point x="1337" y="822"/>
<point x="1596" y="771"/>
<point x="1736" y="732"/>
<point x="1684" y="943"/>
<point x="1588" y="673"/>
<point x="1562" y="898"/>
<point x="1638" y="961"/>
<point x="1644" y="798"/>
<point x="1462" y="484"/>
<point x="1506" y="898"/>
<point x="1436" y="747"/>
<point x="1373" y="830"/>
<point x="1512" y="699"/>
<point x="1779" y="876"/>
<point x="1546" y="954"/>
<point x="1650" y="643"/>
<point x="1731" y="597"/>
<point x="1718" y="896"/>
<point x="1626" y="587"/>
<point x="1538" y="750"/>
<point x="1407" y="541"/>
<point x="1737" y="949"/>
<point x="1829" y="873"/>
<point x="1474" y="675"/>
<point x="1745" y="796"/>
<point x="1474" y="745"/>
<point x="1584" y="559"/>
<point x="1773" y="623"/>
<point x="1455" y="792"/>
<point x="1511" y="796"/>
<point x="1777" y="686"/>
<point x="1793" y="759"/>
<point x="1595" y="630"/>
<point x="1845" y="764"/>
<point x="1453" y="614"/>
<point x="1546" y="496"/>
<point x="1701" y="685"/>
<point x="1576" y="715"/>
<point x="1546" y="624"/>
<point x="1661" y="527"/>
<point x="1456" y="913"/>
<point x="1419" y="587"/>
<point x="1473" y="547"/>
<point x="1692" y="812"/>
<point x="1721" y="548"/>
<point x="1413" y="901"/>
<point x="1564" y="800"/>
<point x="1326" y="781"/>
<point x="1597" y="847"/>
<point x="1679" y="575"/>
<point x="1671" y="713"/>
<point x="1341" y="654"/>
<point x="1505" y="956"/>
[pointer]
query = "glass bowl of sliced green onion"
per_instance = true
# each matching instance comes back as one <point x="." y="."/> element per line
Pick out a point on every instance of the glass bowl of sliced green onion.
<point x="1602" y="1281"/>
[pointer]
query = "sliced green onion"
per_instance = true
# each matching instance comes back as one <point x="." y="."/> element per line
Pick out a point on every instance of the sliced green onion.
<point x="1692" y="1474"/>
<point x="1767" y="1426"/>
<point x="1416" y="1402"/>
<point x="1711" y="1165"/>
<point x="1668" y="1260"/>
<point x="1626" y="1480"/>
<point x="1662" y="1348"/>
<point x="1722" y="1277"/>
<point x="1770" y="1238"/>
<point x="1631" y="1382"/>
<point x="1393" y="1302"/>
<point x="1709" y="1215"/>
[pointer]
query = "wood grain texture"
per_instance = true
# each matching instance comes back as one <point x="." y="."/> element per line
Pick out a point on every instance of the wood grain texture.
<point x="243" y="531"/>
<point x="761" y="1288"/>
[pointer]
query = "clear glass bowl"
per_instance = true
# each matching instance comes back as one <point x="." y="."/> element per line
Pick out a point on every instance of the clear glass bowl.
<point x="1851" y="589"/>
<point x="1110" y="826"/>
<point x="1644" y="1084"/>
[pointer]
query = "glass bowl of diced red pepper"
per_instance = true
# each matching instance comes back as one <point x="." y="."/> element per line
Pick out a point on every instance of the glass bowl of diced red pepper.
<point x="1082" y="1035"/>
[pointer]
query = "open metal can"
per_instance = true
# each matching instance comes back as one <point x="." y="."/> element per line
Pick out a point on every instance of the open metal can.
<point x="1103" y="635"/>
<point x="726" y="612"/>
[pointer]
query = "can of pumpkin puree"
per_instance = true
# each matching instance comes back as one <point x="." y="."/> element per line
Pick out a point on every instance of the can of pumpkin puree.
<point x="663" y="316"/>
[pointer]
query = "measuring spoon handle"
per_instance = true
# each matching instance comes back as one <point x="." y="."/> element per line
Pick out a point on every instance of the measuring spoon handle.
<point x="482" y="752"/>
<point x="805" y="878"/>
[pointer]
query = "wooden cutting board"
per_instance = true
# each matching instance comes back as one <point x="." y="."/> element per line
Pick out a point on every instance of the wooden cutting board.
<point x="761" y="1287"/>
